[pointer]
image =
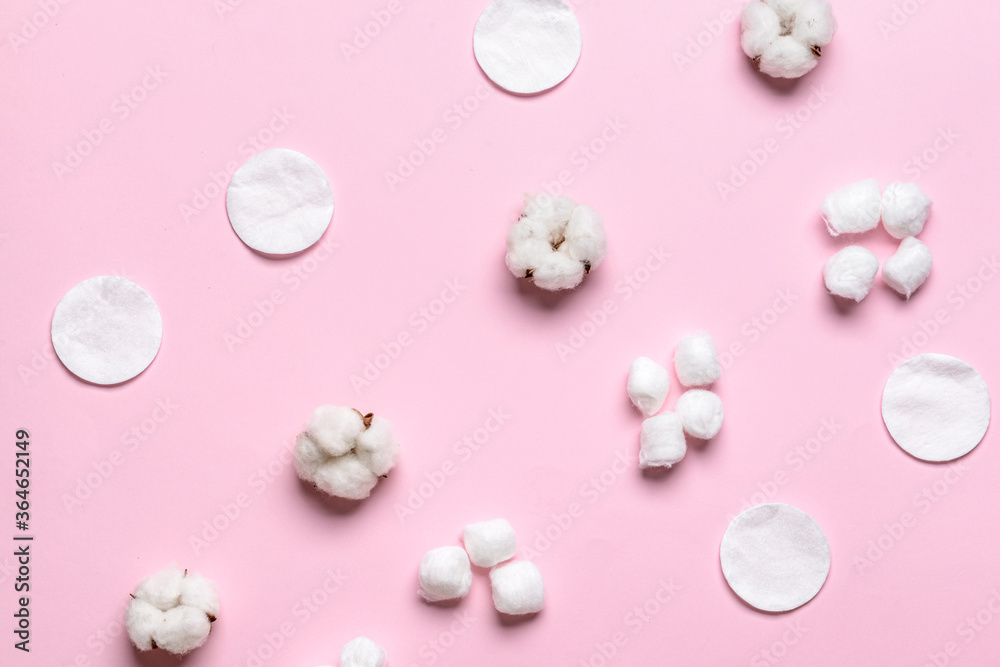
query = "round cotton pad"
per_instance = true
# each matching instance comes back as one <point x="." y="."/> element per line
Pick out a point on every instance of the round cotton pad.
<point x="106" y="330"/>
<point x="775" y="557"/>
<point x="936" y="407"/>
<point x="527" y="46"/>
<point x="279" y="202"/>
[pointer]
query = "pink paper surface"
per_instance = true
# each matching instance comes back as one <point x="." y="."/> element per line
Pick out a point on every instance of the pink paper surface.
<point x="661" y="109"/>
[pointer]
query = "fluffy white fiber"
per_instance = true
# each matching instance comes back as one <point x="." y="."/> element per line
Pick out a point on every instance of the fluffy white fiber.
<point x="172" y="610"/>
<point x="555" y="242"/>
<point x="490" y="542"/>
<point x="785" y="37"/>
<point x="344" y="452"/>
<point x="905" y="208"/>
<point x="445" y="574"/>
<point x="850" y="273"/>
<point x="648" y="385"/>
<point x="661" y="441"/>
<point x="909" y="267"/>
<point x="853" y="209"/>
<point x="700" y="412"/>
<point x="362" y="652"/>
<point x="518" y="588"/>
<point x="696" y="361"/>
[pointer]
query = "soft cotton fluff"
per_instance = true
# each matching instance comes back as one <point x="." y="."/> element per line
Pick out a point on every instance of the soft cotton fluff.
<point x="905" y="208"/>
<point x="909" y="267"/>
<point x="172" y="610"/>
<point x="648" y="385"/>
<point x="344" y="453"/>
<point x="555" y="242"/>
<point x="445" y="574"/>
<point x="490" y="542"/>
<point x="696" y="361"/>
<point x="362" y="652"/>
<point x="700" y="412"/>
<point x="853" y="209"/>
<point x="786" y="37"/>
<point x="661" y="441"/>
<point x="518" y="588"/>
<point x="850" y="273"/>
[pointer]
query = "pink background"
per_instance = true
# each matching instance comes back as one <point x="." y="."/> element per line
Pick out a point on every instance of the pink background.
<point x="674" y="130"/>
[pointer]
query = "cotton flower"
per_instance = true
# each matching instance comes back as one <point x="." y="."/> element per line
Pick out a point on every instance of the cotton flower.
<point x="343" y="452"/>
<point x="786" y="37"/>
<point x="172" y="610"/>
<point x="555" y="242"/>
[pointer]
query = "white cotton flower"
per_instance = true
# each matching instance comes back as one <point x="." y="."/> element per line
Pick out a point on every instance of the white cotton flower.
<point x="785" y="37"/>
<point x="905" y="209"/>
<point x="362" y="652"/>
<point x="343" y="453"/>
<point x="850" y="273"/>
<point x="172" y="610"/>
<point x="909" y="267"/>
<point x="555" y="242"/>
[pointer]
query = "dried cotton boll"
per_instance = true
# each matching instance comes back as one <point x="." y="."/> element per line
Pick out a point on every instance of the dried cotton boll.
<point x="518" y="588"/>
<point x="490" y="542"/>
<point x="700" y="412"/>
<point x="853" y="209"/>
<point x="905" y="208"/>
<point x="786" y="37"/>
<point x="661" y="442"/>
<point x="362" y="652"/>
<point x="909" y="267"/>
<point x="172" y="610"/>
<point x="696" y="361"/>
<point x="445" y="574"/>
<point x="850" y="273"/>
<point x="648" y="385"/>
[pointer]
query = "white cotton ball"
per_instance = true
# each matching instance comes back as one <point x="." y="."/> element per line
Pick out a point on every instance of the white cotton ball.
<point x="851" y="272"/>
<point x="518" y="588"/>
<point x="335" y="428"/>
<point x="814" y="23"/>
<point x="786" y="37"/>
<point x="696" y="361"/>
<point x="183" y="629"/>
<point x="761" y="26"/>
<point x="162" y="589"/>
<point x="346" y="477"/>
<point x="308" y="457"/>
<point x="445" y="574"/>
<point x="909" y="267"/>
<point x="362" y="652"/>
<point x="905" y="208"/>
<point x="199" y="592"/>
<point x="377" y="447"/>
<point x="172" y="610"/>
<point x="661" y="442"/>
<point x="648" y="385"/>
<point x="787" y="58"/>
<point x="700" y="412"/>
<point x="853" y="209"/>
<point x="490" y="542"/>
<point x="141" y="621"/>
<point x="558" y="271"/>
<point x="585" y="236"/>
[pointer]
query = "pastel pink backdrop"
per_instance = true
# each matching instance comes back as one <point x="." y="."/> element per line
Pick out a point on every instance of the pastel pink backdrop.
<point x="674" y="129"/>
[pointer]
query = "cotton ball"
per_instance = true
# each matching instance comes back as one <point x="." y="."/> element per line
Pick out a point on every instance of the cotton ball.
<point x="648" y="385"/>
<point x="661" y="442"/>
<point x="785" y="37"/>
<point x="490" y="542"/>
<point x="909" y="267"/>
<point x="172" y="610"/>
<point x="905" y="208"/>
<point x="335" y="428"/>
<point x="851" y="272"/>
<point x="445" y="574"/>
<point x="362" y="652"/>
<point x="346" y="477"/>
<point x="183" y="629"/>
<point x="853" y="209"/>
<point x="377" y="447"/>
<point x="700" y="412"/>
<point x="696" y="361"/>
<point x="518" y="588"/>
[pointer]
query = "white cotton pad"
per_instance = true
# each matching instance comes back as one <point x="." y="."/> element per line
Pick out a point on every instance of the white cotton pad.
<point x="700" y="412"/>
<point x="661" y="442"/>
<point x="172" y="610"/>
<point x="696" y="361"/>
<point x="518" y="588"/>
<point x="852" y="209"/>
<point x="936" y="407"/>
<point x="527" y="46"/>
<point x="648" y="385"/>
<point x="489" y="542"/>
<point x="362" y="652"/>
<point x="905" y="209"/>
<point x="279" y="202"/>
<point x="851" y="273"/>
<point x="106" y="330"/>
<point x="445" y="574"/>
<point x="909" y="267"/>
<point x="775" y="557"/>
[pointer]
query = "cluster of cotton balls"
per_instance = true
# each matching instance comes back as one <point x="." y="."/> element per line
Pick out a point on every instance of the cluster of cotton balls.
<point x="698" y="412"/>
<point x="903" y="209"/>
<point x="344" y="453"/>
<point x="446" y="574"/>
<point x="172" y="610"/>
<point x="555" y="242"/>
<point x="786" y="37"/>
